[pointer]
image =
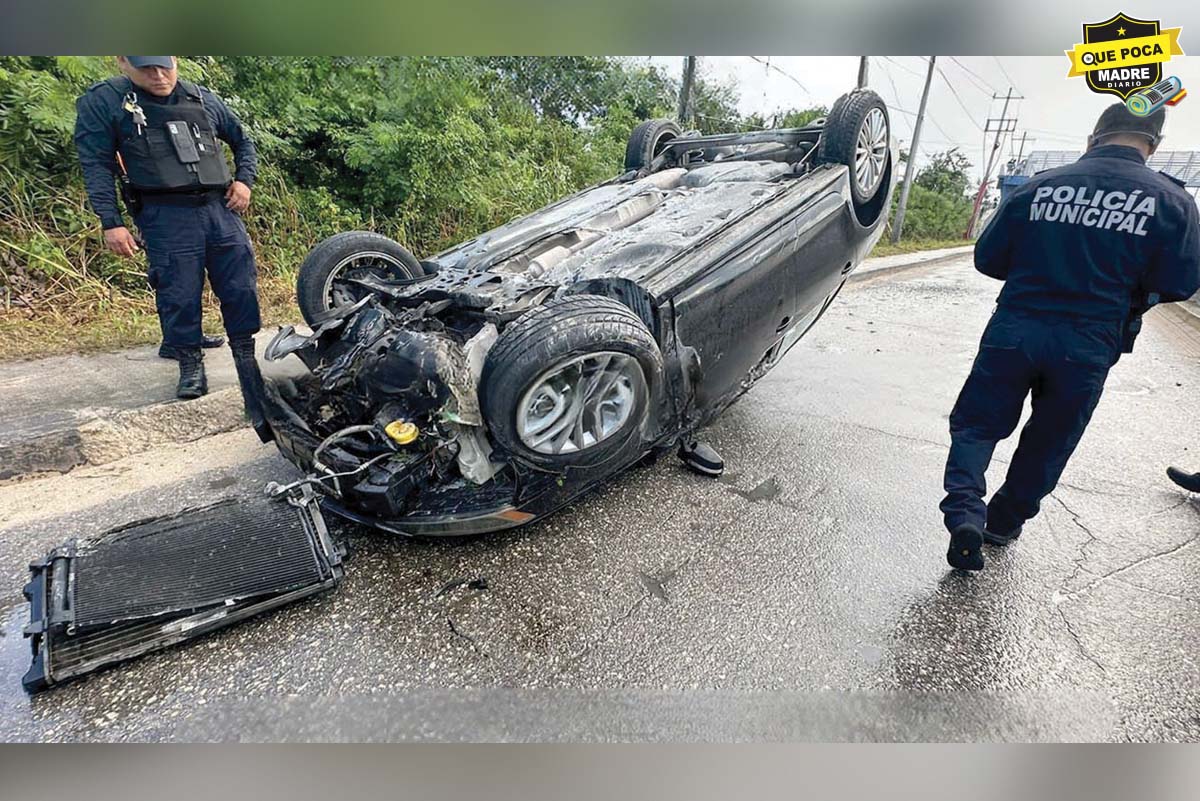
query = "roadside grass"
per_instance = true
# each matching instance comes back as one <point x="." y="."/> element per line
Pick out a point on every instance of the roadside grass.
<point x="114" y="320"/>
<point x="886" y="248"/>
<point x="107" y="319"/>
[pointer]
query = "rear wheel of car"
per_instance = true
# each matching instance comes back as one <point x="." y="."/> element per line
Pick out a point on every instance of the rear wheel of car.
<point x="648" y="140"/>
<point x="326" y="276"/>
<point x="569" y="383"/>
<point x="857" y="133"/>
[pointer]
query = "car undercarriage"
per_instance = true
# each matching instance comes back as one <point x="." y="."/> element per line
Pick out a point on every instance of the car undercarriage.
<point x="496" y="382"/>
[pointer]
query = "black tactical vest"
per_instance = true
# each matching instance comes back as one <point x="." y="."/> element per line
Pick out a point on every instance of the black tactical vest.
<point x="158" y="158"/>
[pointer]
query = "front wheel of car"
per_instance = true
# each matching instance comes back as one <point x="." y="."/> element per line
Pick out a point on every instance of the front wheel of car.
<point x="857" y="133"/>
<point x="569" y="383"/>
<point x="328" y="275"/>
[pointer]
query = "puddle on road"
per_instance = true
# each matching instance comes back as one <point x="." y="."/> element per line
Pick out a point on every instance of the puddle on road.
<point x="14" y="661"/>
<point x="767" y="490"/>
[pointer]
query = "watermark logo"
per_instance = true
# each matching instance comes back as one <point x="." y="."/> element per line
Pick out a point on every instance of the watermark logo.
<point x="1164" y="93"/>
<point x="1123" y="55"/>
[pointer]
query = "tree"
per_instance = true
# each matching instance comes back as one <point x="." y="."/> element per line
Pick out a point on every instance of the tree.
<point x="946" y="174"/>
<point x="939" y="204"/>
<point x="799" y="117"/>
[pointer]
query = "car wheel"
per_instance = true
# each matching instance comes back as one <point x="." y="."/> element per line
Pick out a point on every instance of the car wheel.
<point x="647" y="141"/>
<point x="857" y="133"/>
<point x="569" y="383"/>
<point x="323" y="282"/>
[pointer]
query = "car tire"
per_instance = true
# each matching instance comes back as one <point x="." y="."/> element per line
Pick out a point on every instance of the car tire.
<point x="340" y="253"/>
<point x="540" y="365"/>
<point x="857" y="133"/>
<point x="647" y="141"/>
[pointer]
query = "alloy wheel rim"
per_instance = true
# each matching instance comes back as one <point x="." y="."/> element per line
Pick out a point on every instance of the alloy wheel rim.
<point x="870" y="151"/>
<point x="580" y="403"/>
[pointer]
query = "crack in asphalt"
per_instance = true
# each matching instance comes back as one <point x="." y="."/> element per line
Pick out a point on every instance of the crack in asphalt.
<point x="885" y="432"/>
<point x="662" y="581"/>
<point x="1081" y="556"/>
<point x="1113" y="574"/>
<point x="1056" y="599"/>
<point x="1152" y="591"/>
<point x="1088" y="655"/>
<point x="1063" y="595"/>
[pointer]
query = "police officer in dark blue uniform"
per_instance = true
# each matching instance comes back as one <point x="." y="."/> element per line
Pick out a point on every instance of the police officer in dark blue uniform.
<point x="1083" y="251"/>
<point x="158" y="135"/>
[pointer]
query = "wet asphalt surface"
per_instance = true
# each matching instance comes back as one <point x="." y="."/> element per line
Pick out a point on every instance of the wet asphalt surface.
<point x="803" y="596"/>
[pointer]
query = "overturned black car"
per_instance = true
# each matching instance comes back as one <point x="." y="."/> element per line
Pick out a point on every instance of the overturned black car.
<point x="494" y="382"/>
<point x="497" y="381"/>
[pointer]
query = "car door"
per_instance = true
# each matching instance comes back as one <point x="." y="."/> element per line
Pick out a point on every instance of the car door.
<point x="741" y="310"/>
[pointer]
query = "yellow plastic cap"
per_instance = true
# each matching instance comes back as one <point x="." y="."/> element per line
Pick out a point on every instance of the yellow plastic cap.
<point x="402" y="432"/>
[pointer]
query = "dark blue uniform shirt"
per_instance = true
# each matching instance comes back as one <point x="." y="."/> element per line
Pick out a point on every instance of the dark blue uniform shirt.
<point x="1093" y="239"/>
<point x="101" y="121"/>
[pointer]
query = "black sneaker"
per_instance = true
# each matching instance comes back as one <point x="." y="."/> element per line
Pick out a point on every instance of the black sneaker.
<point x="701" y="458"/>
<point x="966" y="548"/>
<point x="1189" y="481"/>
<point x="1001" y="539"/>
<point x="166" y="351"/>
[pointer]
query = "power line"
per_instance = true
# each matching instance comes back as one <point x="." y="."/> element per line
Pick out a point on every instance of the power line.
<point x="980" y="83"/>
<point x="1057" y="134"/>
<point x="783" y="72"/>
<point x="955" y="92"/>
<point x="928" y="114"/>
<point x="1007" y="77"/>
<point x="909" y="70"/>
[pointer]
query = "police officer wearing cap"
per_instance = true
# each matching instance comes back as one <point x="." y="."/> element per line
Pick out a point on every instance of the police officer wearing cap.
<point x="1083" y="251"/>
<point x="157" y="136"/>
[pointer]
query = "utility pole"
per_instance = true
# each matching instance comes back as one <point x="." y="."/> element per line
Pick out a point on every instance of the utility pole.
<point x="1000" y="125"/>
<point x="863" y="65"/>
<point x="909" y="170"/>
<point x="685" y="90"/>
<point x="1021" y="152"/>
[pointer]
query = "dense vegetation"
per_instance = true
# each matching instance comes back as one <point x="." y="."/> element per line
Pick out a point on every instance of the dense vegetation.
<point x="427" y="150"/>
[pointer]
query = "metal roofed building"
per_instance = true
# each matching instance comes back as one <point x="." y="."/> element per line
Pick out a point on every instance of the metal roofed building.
<point x="1182" y="164"/>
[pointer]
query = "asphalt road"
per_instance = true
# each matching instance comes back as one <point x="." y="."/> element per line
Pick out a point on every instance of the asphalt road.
<point x="803" y="596"/>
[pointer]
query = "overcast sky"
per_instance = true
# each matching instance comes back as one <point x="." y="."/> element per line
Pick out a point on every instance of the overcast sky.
<point x="1057" y="112"/>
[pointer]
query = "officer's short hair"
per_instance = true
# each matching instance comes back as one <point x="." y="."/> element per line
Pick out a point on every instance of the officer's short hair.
<point x="1118" y="119"/>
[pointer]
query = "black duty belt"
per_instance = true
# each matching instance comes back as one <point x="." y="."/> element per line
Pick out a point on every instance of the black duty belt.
<point x="183" y="198"/>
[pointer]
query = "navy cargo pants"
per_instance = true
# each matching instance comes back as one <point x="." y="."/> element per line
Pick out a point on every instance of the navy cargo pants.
<point x="1062" y="362"/>
<point x="184" y="236"/>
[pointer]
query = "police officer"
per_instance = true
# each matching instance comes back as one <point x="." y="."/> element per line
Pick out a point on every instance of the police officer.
<point x="1083" y="250"/>
<point x="158" y="136"/>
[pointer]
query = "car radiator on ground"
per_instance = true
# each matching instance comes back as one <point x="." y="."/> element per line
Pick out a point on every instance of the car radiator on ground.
<point x="158" y="582"/>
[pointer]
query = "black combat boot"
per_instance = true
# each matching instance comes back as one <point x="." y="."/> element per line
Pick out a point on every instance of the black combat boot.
<point x="251" y="381"/>
<point x="192" y="381"/>
<point x="166" y="351"/>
